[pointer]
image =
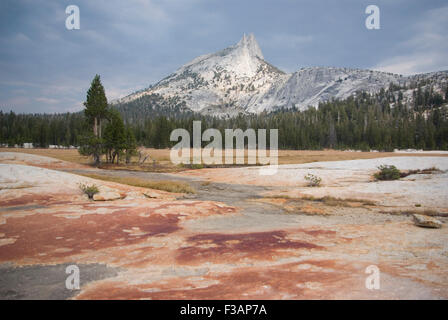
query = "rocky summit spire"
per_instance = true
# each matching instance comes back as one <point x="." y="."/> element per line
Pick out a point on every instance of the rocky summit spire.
<point x="240" y="78"/>
<point x="250" y="43"/>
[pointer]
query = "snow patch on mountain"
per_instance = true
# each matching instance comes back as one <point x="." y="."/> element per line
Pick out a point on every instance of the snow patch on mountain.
<point x="238" y="79"/>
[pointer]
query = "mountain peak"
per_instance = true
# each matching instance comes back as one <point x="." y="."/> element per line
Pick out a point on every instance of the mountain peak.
<point x="250" y="43"/>
<point x="238" y="79"/>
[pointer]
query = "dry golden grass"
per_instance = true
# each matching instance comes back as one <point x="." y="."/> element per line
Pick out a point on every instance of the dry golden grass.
<point x="308" y="156"/>
<point x="162" y="156"/>
<point x="20" y="186"/>
<point x="426" y="212"/>
<point x="281" y="196"/>
<point x="165" y="168"/>
<point x="329" y="201"/>
<point x="70" y="155"/>
<point x="163" y="162"/>
<point x="296" y="206"/>
<point x="348" y="202"/>
<point x="310" y="205"/>
<point x="165" y="185"/>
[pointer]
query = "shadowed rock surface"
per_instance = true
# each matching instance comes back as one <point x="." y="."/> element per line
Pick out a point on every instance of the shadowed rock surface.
<point x="46" y="282"/>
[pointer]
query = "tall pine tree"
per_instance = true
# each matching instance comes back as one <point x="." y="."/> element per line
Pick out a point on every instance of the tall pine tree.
<point x="95" y="110"/>
<point x="96" y="105"/>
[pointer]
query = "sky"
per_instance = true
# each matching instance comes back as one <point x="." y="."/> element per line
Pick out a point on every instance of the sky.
<point x="44" y="67"/>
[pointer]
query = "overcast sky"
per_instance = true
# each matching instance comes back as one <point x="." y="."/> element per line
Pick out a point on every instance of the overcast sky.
<point x="134" y="43"/>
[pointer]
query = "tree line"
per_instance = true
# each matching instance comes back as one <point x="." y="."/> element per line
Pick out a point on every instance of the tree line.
<point x="363" y="122"/>
<point x="42" y="129"/>
<point x="380" y="121"/>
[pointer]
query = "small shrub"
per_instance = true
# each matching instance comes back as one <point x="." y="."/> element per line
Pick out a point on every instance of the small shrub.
<point x="313" y="181"/>
<point x="387" y="173"/>
<point x="90" y="191"/>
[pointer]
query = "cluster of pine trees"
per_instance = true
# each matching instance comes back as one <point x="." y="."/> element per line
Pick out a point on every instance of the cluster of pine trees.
<point x="41" y="129"/>
<point x="117" y="140"/>
<point x="381" y="121"/>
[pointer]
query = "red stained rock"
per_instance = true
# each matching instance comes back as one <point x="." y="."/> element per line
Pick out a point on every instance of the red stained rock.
<point x="26" y="200"/>
<point x="285" y="281"/>
<point x="46" y="233"/>
<point x="219" y="247"/>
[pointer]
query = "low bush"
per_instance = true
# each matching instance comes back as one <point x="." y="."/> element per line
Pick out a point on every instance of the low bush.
<point x="90" y="191"/>
<point x="387" y="173"/>
<point x="313" y="181"/>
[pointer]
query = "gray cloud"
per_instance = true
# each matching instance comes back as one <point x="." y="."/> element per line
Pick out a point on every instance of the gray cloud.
<point x="426" y="50"/>
<point x="134" y="43"/>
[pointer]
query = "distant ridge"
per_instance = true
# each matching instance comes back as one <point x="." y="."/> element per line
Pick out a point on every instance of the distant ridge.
<point x="238" y="80"/>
